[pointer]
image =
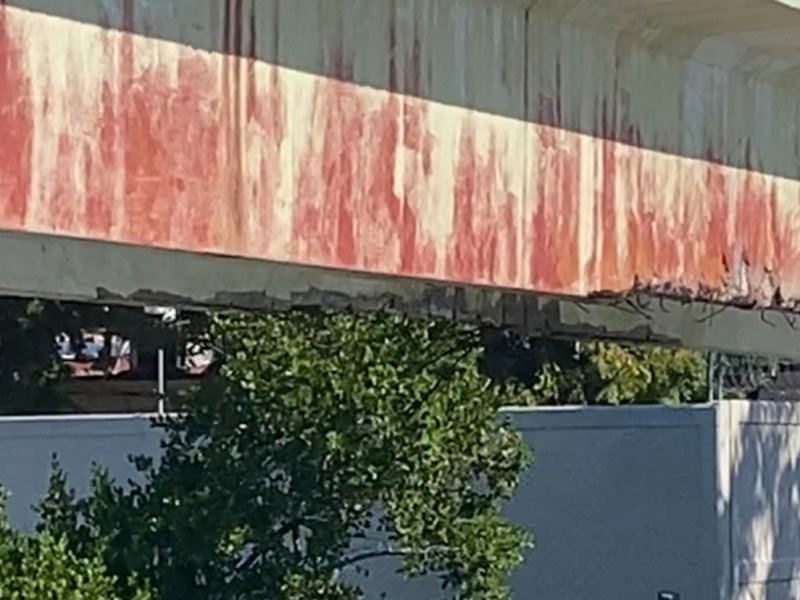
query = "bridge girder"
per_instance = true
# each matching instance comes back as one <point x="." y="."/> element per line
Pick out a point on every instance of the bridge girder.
<point x="508" y="156"/>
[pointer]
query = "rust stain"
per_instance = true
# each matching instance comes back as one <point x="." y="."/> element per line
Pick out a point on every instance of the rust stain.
<point x="16" y="123"/>
<point x="233" y="230"/>
<point x="322" y="226"/>
<point x="232" y="153"/>
<point x="417" y="252"/>
<point x="551" y="262"/>
<point x="391" y="23"/>
<point x="483" y="244"/>
<point x="266" y="121"/>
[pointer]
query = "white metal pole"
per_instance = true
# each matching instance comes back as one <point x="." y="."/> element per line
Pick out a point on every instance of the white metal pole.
<point x="162" y="382"/>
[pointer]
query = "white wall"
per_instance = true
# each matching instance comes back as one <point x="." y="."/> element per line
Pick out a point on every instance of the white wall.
<point x="763" y="491"/>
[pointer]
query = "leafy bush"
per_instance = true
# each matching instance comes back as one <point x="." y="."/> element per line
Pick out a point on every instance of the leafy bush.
<point x="44" y="567"/>
<point x="603" y="373"/>
<point x="558" y="372"/>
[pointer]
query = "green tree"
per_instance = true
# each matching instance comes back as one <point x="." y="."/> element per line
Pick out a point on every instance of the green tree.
<point x="603" y="373"/>
<point x="557" y="372"/>
<point x="43" y="567"/>
<point x="324" y="441"/>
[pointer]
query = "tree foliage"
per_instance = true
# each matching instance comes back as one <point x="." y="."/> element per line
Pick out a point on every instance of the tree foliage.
<point x="558" y="372"/>
<point x="324" y="441"/>
<point x="44" y="567"/>
<point x="601" y="373"/>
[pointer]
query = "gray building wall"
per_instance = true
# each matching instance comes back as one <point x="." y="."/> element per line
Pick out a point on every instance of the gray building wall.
<point x="27" y="446"/>
<point x="623" y="502"/>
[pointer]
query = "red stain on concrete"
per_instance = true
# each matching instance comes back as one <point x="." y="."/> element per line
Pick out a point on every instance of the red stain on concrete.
<point x="637" y="237"/>
<point x="347" y="210"/>
<point x="552" y="263"/>
<point x="483" y="244"/>
<point x="229" y="217"/>
<point x="608" y="263"/>
<point x="16" y="127"/>
<point x="418" y="253"/>
<point x="101" y="169"/>
<point x="264" y="129"/>
<point x="659" y="228"/>
<point x="170" y="135"/>
<point x="323" y="228"/>
<point x="266" y="116"/>
<point x="754" y="218"/>
<point x="147" y="160"/>
<point x="715" y="248"/>
<point x="416" y="136"/>
<point x="190" y="119"/>
<point x="361" y="183"/>
<point x="62" y="205"/>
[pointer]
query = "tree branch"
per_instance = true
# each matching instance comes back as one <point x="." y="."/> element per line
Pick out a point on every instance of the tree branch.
<point x="357" y="558"/>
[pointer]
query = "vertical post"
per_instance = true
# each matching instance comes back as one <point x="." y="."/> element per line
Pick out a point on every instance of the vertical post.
<point x="711" y="360"/>
<point x="162" y="382"/>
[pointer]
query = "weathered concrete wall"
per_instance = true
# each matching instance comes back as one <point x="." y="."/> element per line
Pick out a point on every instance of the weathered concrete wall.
<point x="564" y="147"/>
<point x="281" y="130"/>
<point x="677" y="148"/>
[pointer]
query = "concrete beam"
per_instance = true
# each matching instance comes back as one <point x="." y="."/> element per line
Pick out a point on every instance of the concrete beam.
<point x="80" y="270"/>
<point x="562" y="148"/>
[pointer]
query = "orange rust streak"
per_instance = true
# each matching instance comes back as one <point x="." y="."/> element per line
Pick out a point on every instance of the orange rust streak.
<point x="551" y="261"/>
<point x="483" y="244"/>
<point x="100" y="172"/>
<point x="16" y="124"/>
<point x="323" y="224"/>
<point x="609" y="263"/>
<point x="418" y="253"/>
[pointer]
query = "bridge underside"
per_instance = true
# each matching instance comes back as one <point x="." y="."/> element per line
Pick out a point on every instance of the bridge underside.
<point x="555" y="166"/>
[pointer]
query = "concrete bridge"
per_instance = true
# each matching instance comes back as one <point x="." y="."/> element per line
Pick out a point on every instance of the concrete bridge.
<point x="617" y="168"/>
